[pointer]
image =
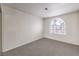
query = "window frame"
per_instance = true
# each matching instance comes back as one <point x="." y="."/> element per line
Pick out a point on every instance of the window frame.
<point x="53" y="27"/>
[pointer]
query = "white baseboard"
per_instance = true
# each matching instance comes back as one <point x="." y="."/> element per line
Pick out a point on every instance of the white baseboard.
<point x="60" y="40"/>
<point x="19" y="45"/>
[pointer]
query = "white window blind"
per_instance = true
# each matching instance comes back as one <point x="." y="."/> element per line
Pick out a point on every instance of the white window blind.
<point x="57" y="26"/>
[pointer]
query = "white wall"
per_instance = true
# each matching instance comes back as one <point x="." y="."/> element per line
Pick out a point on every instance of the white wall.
<point x="19" y="28"/>
<point x="0" y="33"/>
<point x="72" y="28"/>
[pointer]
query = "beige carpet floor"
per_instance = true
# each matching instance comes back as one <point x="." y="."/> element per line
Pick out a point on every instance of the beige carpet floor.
<point x="45" y="47"/>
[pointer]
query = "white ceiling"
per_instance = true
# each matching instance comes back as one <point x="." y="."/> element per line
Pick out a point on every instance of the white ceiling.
<point x="38" y="9"/>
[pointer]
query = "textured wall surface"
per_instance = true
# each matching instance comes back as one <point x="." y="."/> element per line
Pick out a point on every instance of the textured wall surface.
<point x="72" y="28"/>
<point x="19" y="28"/>
<point x="0" y="33"/>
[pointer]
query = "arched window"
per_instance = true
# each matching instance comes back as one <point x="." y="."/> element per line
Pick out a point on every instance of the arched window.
<point x="57" y="26"/>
